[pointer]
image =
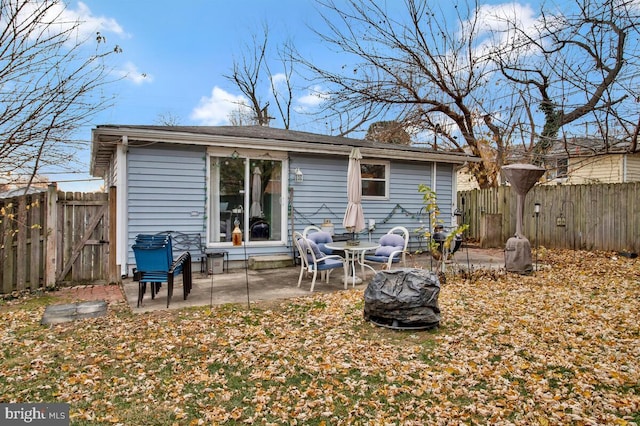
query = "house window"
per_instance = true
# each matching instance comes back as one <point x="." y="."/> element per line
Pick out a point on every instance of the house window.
<point x="245" y="189"/>
<point x="375" y="179"/>
<point x="562" y="165"/>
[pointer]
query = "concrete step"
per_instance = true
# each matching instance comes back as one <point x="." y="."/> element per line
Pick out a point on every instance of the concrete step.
<point x="270" y="262"/>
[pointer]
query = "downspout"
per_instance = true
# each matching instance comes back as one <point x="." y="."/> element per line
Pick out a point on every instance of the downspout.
<point x="122" y="252"/>
<point x="434" y="177"/>
<point x="624" y="168"/>
<point x="434" y="184"/>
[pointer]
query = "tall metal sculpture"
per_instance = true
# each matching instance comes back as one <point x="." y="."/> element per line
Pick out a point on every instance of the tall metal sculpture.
<point x="517" y="253"/>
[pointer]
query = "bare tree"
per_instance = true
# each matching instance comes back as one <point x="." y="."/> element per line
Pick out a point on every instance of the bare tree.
<point x="412" y="69"/>
<point x="242" y="116"/>
<point x="249" y="75"/>
<point x="579" y="68"/>
<point x="443" y="78"/>
<point x="50" y="85"/>
<point x="168" y="119"/>
<point x="388" y="132"/>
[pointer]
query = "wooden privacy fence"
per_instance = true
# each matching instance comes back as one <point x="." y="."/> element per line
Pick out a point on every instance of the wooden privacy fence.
<point x="56" y="238"/>
<point x="589" y="217"/>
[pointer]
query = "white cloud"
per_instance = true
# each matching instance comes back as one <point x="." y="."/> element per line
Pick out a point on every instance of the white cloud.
<point x="494" y="17"/>
<point x="130" y="72"/>
<point x="497" y="23"/>
<point x="314" y="97"/>
<point x="92" y="24"/>
<point x="214" y="110"/>
<point x="66" y="17"/>
<point x="279" y="79"/>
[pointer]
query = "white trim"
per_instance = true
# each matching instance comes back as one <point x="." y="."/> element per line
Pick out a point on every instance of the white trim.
<point x="213" y="152"/>
<point x="387" y="178"/>
<point x="253" y="153"/>
<point x="122" y="225"/>
<point x="434" y="177"/>
<point x="454" y="192"/>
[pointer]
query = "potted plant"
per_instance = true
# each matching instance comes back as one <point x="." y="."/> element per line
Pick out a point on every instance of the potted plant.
<point x="439" y="242"/>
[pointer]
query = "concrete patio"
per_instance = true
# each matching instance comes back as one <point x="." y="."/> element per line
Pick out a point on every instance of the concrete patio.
<point x="281" y="283"/>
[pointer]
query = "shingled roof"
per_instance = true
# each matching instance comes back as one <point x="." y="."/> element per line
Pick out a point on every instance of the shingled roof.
<point x="105" y="138"/>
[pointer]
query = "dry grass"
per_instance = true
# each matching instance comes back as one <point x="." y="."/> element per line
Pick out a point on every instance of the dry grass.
<point x="558" y="347"/>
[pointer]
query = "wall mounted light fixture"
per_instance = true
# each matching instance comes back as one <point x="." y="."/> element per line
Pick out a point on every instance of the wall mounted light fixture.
<point x="299" y="175"/>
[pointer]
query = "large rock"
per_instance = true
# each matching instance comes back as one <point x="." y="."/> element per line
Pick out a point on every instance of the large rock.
<point x="404" y="298"/>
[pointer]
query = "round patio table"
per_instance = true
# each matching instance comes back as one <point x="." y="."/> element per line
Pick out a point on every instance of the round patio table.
<point x="352" y="254"/>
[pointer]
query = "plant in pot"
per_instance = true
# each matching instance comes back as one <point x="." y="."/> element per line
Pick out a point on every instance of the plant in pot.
<point x="441" y="243"/>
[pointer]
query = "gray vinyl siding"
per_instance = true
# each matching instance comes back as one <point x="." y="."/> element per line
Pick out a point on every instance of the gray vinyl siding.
<point x="323" y="195"/>
<point x="167" y="187"/>
<point x="445" y="175"/>
<point x="166" y="191"/>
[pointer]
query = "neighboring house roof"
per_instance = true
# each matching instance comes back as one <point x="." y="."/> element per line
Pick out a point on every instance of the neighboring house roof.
<point x="106" y="137"/>
<point x="571" y="147"/>
<point x="574" y="160"/>
<point x="585" y="146"/>
<point x="19" y="191"/>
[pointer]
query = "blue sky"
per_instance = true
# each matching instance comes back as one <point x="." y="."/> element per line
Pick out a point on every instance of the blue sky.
<point x="176" y="53"/>
<point x="185" y="48"/>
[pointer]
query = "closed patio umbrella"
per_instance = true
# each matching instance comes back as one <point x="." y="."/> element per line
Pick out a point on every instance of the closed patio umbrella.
<point x="354" y="216"/>
<point x="256" y="193"/>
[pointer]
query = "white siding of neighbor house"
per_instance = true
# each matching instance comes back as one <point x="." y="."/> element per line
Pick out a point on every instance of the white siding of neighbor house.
<point x="632" y="172"/>
<point x="465" y="181"/>
<point x="613" y="168"/>
<point x="599" y="169"/>
<point x="323" y="195"/>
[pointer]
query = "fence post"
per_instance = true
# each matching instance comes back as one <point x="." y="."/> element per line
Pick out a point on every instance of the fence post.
<point x="6" y="262"/>
<point x="51" y="236"/>
<point x="21" y="244"/>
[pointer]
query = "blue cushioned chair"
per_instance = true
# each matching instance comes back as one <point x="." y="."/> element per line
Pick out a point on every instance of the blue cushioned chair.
<point x="318" y="236"/>
<point x="313" y="260"/>
<point x="393" y="248"/>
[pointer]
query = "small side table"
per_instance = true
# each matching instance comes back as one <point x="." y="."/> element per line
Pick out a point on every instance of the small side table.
<point x="215" y="253"/>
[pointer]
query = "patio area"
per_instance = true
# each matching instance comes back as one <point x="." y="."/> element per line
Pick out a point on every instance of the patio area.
<point x="281" y="283"/>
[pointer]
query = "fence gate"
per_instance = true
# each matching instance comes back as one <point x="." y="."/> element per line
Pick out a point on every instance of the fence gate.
<point x="83" y="237"/>
<point x="56" y="238"/>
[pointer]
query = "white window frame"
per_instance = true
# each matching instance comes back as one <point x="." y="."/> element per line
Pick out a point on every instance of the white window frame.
<point x="284" y="200"/>
<point x="387" y="174"/>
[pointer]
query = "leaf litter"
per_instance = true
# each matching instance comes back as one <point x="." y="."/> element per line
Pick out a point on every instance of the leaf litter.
<point x="561" y="346"/>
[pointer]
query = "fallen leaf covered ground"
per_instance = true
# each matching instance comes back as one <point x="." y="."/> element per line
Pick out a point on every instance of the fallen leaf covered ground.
<point x="561" y="346"/>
